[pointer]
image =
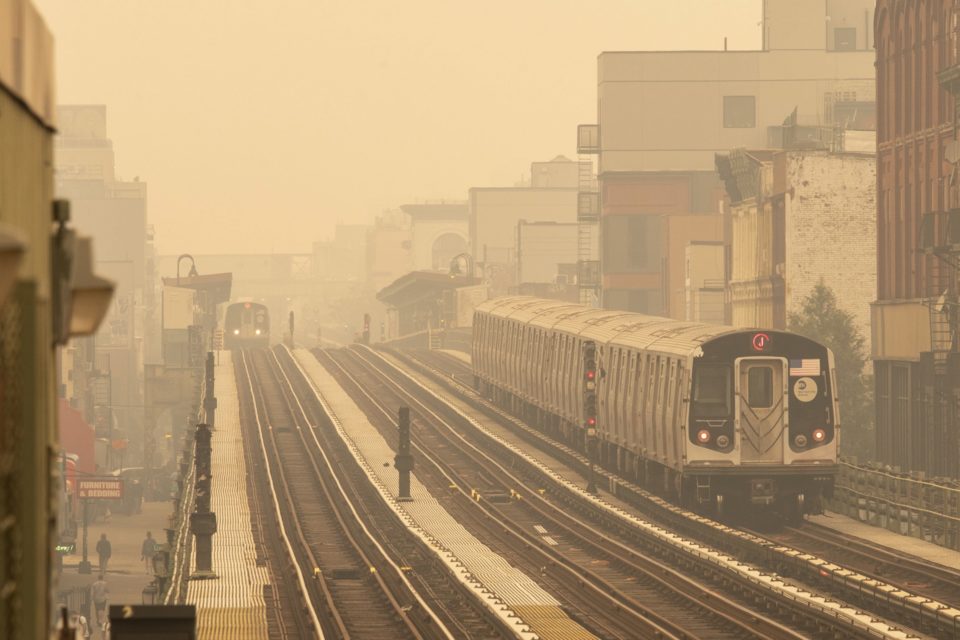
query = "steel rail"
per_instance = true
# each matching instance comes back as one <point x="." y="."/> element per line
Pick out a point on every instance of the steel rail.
<point x="826" y="608"/>
<point x="385" y="557"/>
<point x="715" y="604"/>
<point x="311" y="609"/>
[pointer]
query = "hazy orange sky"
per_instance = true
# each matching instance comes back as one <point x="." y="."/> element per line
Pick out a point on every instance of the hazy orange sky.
<point x="260" y="124"/>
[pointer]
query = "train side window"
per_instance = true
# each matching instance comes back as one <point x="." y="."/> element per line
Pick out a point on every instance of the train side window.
<point x="711" y="391"/>
<point x="760" y="387"/>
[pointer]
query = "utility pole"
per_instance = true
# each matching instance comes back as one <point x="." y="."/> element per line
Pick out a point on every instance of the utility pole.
<point x="84" y="566"/>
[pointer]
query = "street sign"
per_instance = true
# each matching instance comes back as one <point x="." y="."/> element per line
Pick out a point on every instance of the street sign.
<point x="218" y="339"/>
<point x="119" y="444"/>
<point x="100" y="488"/>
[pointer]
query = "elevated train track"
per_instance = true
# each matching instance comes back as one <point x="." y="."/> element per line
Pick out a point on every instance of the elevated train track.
<point x="909" y="602"/>
<point x="608" y="586"/>
<point x="346" y="549"/>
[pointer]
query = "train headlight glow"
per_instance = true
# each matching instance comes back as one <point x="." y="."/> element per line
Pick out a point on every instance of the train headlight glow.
<point x="236" y="332"/>
<point x="819" y="435"/>
<point x="258" y="331"/>
<point x="703" y="436"/>
<point x="723" y="441"/>
<point x="800" y="440"/>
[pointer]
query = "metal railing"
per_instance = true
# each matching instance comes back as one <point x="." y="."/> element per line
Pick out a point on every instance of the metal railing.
<point x="906" y="503"/>
<point x="183" y="505"/>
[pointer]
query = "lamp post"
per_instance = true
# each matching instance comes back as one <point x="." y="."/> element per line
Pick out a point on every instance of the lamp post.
<point x="12" y="248"/>
<point x="193" y="266"/>
<point x="466" y="269"/>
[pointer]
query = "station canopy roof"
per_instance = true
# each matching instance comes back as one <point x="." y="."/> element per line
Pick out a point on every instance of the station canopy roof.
<point x="419" y="285"/>
<point x="217" y="286"/>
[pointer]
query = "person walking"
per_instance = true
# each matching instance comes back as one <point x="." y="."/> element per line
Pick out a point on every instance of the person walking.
<point x="104" y="550"/>
<point x="99" y="592"/>
<point x="147" y="550"/>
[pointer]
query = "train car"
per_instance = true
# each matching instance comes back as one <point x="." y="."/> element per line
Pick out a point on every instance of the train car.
<point x="718" y="417"/>
<point x="246" y="325"/>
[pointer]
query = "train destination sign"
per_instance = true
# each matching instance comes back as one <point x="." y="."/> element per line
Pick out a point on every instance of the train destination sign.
<point x="100" y="488"/>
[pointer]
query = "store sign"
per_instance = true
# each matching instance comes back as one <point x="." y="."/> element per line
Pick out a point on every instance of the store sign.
<point x="66" y="548"/>
<point x="100" y="488"/>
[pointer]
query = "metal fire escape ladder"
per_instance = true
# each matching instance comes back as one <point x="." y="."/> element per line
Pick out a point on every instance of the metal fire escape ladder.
<point x="940" y="237"/>
<point x="588" y="216"/>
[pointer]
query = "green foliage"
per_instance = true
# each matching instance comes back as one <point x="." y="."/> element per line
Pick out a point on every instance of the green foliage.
<point x="821" y="320"/>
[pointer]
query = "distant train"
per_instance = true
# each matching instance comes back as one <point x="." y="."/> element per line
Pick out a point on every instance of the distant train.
<point x="715" y="417"/>
<point x="246" y="325"/>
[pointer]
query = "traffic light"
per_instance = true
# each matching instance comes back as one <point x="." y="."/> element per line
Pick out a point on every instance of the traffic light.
<point x="590" y="365"/>
<point x="589" y="410"/>
<point x="590" y="385"/>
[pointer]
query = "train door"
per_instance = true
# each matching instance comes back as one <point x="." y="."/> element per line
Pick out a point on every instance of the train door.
<point x="761" y="416"/>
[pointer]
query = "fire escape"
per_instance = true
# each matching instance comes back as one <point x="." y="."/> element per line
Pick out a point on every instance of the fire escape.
<point x="940" y="367"/>
<point x="588" y="216"/>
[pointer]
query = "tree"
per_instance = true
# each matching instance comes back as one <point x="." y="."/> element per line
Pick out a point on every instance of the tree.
<point x="822" y="320"/>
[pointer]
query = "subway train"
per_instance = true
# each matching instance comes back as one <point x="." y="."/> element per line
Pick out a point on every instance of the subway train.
<point x="246" y="324"/>
<point x="728" y="421"/>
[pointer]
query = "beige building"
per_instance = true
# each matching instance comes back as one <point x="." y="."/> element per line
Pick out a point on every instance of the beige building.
<point x="798" y="217"/>
<point x="662" y="115"/>
<point x="438" y="232"/>
<point x="704" y="283"/>
<point x="114" y="211"/>
<point x="495" y="213"/>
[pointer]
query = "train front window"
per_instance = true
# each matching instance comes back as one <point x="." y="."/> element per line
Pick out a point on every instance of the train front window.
<point x="760" y="391"/>
<point x="711" y="391"/>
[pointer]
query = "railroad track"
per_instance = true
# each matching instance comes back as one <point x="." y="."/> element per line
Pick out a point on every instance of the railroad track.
<point x="351" y="588"/>
<point x="810" y="574"/>
<point x="895" y="567"/>
<point x="611" y="549"/>
<point x="436" y="600"/>
<point x="612" y="589"/>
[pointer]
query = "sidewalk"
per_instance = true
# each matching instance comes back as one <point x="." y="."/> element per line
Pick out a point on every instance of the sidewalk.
<point x="126" y="576"/>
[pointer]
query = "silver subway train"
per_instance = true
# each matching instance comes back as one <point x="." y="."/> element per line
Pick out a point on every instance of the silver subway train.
<point x="711" y="416"/>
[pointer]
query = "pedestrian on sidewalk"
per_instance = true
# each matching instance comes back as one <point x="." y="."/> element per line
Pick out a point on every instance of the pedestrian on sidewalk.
<point x="147" y="550"/>
<point x="99" y="592"/>
<point x="104" y="550"/>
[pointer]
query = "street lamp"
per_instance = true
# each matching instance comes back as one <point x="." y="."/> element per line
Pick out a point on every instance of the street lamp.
<point x="90" y="294"/>
<point x="193" y="266"/>
<point x="12" y="248"/>
<point x="466" y="269"/>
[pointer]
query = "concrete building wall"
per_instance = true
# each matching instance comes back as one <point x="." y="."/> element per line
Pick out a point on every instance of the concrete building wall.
<point x="664" y="110"/>
<point x="542" y="247"/>
<point x="704" y="282"/>
<point x="28" y="381"/>
<point x="561" y="172"/>
<point x="495" y="212"/>
<point x="830" y="230"/>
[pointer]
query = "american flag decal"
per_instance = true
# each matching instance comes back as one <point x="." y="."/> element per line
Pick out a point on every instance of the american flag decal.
<point x="805" y="367"/>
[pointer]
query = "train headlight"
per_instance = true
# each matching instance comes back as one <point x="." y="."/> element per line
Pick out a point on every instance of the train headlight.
<point x="258" y="331"/>
<point x="819" y="435"/>
<point x="800" y="441"/>
<point x="723" y="441"/>
<point x="236" y="332"/>
<point x="703" y="436"/>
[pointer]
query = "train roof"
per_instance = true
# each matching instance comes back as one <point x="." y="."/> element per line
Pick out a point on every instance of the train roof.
<point x="607" y="325"/>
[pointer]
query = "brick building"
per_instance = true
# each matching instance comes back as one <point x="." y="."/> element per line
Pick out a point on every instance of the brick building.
<point x="798" y="216"/>
<point x="916" y="365"/>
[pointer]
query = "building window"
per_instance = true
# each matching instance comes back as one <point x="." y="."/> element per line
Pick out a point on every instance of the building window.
<point x="845" y="39"/>
<point x="739" y="112"/>
<point x="760" y="387"/>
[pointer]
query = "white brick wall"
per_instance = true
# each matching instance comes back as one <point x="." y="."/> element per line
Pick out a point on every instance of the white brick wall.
<point x="831" y="230"/>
